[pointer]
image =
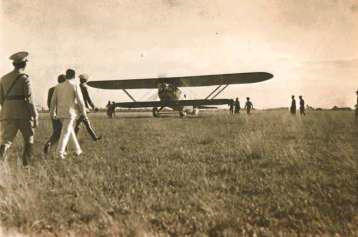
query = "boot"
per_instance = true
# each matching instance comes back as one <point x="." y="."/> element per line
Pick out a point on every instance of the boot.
<point x="90" y="130"/>
<point x="28" y="152"/>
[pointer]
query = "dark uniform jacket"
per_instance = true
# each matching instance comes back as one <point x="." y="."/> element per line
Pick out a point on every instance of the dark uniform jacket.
<point x="49" y="96"/>
<point x="18" y="104"/>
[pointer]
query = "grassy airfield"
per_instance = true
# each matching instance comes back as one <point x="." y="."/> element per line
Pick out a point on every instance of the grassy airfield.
<point x="216" y="175"/>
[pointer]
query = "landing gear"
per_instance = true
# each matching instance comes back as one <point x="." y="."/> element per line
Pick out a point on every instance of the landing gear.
<point x="182" y="114"/>
<point x="195" y="112"/>
<point x="155" y="112"/>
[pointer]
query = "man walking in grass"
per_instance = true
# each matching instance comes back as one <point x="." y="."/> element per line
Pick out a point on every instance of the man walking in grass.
<point x="66" y="105"/>
<point x="237" y="105"/>
<point x="302" y="106"/>
<point x="18" y="112"/>
<point x="293" y="105"/>
<point x="248" y="106"/>
<point x="56" y="123"/>
<point x="88" y="102"/>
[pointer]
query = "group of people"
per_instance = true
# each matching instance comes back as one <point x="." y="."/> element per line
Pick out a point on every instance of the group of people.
<point x="111" y="109"/>
<point x="64" y="101"/>
<point x="68" y="103"/>
<point x="235" y="107"/>
<point x="293" y="106"/>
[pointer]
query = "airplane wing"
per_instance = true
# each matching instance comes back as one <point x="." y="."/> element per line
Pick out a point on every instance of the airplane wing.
<point x="176" y="103"/>
<point x="189" y="81"/>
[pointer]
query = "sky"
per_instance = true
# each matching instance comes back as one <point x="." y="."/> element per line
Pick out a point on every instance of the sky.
<point x="311" y="46"/>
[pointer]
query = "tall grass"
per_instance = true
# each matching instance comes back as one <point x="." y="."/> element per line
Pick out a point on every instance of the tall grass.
<point x="266" y="174"/>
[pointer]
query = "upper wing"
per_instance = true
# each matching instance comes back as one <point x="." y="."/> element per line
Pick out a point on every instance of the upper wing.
<point x="190" y="81"/>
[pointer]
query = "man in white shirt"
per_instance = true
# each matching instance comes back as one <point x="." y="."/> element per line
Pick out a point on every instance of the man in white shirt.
<point x="66" y="104"/>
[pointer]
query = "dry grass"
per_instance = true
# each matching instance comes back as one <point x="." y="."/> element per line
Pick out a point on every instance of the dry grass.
<point x="216" y="175"/>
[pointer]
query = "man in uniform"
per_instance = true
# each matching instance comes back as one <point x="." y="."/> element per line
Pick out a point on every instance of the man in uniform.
<point x="88" y="102"/>
<point x="293" y="105"/>
<point x="248" y="105"/>
<point x="56" y="123"/>
<point x="66" y="103"/>
<point x="18" y="111"/>
<point x="302" y="106"/>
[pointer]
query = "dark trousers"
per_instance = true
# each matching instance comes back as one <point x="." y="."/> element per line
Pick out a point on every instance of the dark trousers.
<point x="9" y="130"/>
<point x="90" y="130"/>
<point x="56" y="131"/>
<point x="293" y="110"/>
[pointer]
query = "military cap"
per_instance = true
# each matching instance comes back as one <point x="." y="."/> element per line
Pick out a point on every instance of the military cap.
<point x="19" y="57"/>
<point x="83" y="78"/>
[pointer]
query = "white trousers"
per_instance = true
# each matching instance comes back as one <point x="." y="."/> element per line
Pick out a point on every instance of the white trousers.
<point x="68" y="133"/>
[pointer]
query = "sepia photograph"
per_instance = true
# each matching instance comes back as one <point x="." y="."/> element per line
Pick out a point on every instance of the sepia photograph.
<point x="178" y="118"/>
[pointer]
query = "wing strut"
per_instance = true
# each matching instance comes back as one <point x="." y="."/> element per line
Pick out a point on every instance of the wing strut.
<point x="221" y="90"/>
<point x="129" y="95"/>
<point x="212" y="92"/>
<point x="218" y="93"/>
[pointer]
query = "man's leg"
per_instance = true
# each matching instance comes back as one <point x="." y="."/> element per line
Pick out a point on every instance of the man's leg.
<point x="90" y="130"/>
<point x="75" y="142"/>
<point x="78" y="123"/>
<point x="56" y="133"/>
<point x="8" y="131"/>
<point x="27" y="132"/>
<point x="67" y="128"/>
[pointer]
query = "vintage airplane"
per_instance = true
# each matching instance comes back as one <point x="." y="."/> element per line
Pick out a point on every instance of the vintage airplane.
<point x="171" y="96"/>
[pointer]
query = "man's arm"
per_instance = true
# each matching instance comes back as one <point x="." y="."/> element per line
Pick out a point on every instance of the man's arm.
<point x="49" y="96"/>
<point x="86" y="97"/>
<point x="53" y="104"/>
<point x="29" y="99"/>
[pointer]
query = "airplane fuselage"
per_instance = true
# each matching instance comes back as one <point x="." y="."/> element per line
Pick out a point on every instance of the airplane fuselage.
<point x="169" y="92"/>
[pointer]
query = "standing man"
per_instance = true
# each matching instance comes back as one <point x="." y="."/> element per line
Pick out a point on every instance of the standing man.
<point x="302" y="106"/>
<point x="66" y="104"/>
<point x="87" y="101"/>
<point x="237" y="106"/>
<point x="293" y="105"/>
<point x="248" y="105"/>
<point x="18" y="111"/>
<point x="56" y="123"/>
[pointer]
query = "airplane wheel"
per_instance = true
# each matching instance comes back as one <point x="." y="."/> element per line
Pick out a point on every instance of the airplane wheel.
<point x="195" y="111"/>
<point x="182" y="113"/>
<point x="155" y="112"/>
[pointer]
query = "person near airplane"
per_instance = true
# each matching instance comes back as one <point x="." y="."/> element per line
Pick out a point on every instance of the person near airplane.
<point x="248" y="106"/>
<point x="88" y="103"/>
<point x="293" y="105"/>
<point x="56" y="123"/>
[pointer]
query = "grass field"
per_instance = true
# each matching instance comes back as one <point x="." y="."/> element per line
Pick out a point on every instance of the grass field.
<point x="268" y="174"/>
